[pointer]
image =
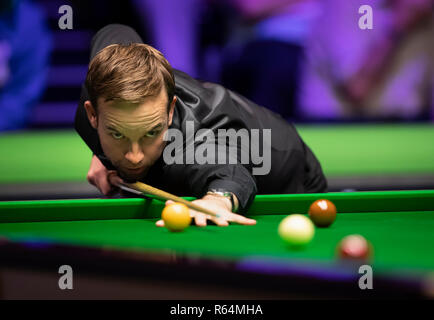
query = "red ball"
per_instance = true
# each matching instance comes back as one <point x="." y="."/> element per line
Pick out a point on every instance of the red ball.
<point x="354" y="248"/>
<point x="322" y="213"/>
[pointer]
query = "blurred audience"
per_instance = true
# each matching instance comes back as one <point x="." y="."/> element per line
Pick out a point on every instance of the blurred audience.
<point x="24" y="52"/>
<point x="172" y="25"/>
<point x="250" y="46"/>
<point x="305" y="59"/>
<point x="383" y="73"/>
<point x="262" y="57"/>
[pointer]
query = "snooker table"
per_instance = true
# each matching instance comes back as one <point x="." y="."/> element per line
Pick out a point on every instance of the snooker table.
<point x="116" y="251"/>
<point x="52" y="164"/>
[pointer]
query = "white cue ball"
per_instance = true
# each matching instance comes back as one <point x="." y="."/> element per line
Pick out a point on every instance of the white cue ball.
<point x="296" y="230"/>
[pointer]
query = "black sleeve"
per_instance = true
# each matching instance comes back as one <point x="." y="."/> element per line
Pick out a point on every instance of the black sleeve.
<point x="198" y="179"/>
<point x="238" y="181"/>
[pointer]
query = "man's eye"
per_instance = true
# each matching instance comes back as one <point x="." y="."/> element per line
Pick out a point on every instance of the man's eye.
<point x="117" y="135"/>
<point x="152" y="133"/>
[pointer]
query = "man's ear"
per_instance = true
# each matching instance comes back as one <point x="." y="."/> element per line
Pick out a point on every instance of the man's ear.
<point x="171" y="109"/>
<point x="91" y="114"/>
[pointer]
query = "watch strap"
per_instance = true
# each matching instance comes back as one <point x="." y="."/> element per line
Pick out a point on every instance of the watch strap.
<point x="227" y="194"/>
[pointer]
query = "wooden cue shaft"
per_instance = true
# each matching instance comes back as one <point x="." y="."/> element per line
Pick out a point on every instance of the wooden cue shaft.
<point x="145" y="188"/>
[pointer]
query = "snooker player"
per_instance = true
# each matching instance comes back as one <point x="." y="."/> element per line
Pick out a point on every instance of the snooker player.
<point x="132" y="97"/>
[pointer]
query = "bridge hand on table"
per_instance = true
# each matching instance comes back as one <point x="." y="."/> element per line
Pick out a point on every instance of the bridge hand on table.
<point x="217" y="206"/>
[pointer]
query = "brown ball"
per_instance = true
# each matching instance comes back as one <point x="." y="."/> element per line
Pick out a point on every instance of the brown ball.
<point x="322" y="212"/>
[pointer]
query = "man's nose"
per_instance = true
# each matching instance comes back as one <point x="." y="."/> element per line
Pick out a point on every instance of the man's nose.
<point x="135" y="154"/>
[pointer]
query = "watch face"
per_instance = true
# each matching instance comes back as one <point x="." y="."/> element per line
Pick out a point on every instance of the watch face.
<point x="223" y="193"/>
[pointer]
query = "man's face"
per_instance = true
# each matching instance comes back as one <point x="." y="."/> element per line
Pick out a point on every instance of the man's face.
<point x="131" y="135"/>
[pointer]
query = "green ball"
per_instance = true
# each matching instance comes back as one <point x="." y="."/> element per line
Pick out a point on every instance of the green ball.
<point x="296" y="230"/>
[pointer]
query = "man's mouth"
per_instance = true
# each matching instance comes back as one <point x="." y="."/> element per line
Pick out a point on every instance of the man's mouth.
<point x="134" y="170"/>
<point x="129" y="175"/>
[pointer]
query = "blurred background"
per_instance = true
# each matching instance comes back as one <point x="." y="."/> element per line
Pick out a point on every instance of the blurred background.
<point x="363" y="99"/>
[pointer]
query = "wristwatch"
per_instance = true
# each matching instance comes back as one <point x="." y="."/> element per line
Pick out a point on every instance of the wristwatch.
<point x="229" y="195"/>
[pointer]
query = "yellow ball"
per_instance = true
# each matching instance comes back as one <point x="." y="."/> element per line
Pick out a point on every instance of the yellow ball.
<point x="176" y="216"/>
<point x="296" y="230"/>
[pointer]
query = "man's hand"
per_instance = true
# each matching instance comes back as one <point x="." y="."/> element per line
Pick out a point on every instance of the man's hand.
<point x="220" y="206"/>
<point x="103" y="179"/>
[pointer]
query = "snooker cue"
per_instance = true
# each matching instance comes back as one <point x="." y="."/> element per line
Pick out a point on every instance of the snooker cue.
<point x="141" y="188"/>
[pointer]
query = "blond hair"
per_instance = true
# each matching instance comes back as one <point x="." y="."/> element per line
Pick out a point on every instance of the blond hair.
<point x="129" y="73"/>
